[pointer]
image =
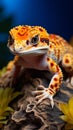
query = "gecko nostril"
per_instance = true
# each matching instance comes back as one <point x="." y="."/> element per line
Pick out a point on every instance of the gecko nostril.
<point x="20" y="48"/>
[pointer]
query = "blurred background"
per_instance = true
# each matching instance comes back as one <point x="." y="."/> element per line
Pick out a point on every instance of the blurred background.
<point x="55" y="15"/>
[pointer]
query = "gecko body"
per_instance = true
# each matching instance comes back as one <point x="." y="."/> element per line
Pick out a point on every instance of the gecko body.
<point x="35" y="48"/>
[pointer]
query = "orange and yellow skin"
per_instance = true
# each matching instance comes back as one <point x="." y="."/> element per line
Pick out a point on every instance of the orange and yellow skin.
<point x="35" y="48"/>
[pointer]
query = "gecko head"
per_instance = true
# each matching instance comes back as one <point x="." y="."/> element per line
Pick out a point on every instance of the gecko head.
<point x="24" y="40"/>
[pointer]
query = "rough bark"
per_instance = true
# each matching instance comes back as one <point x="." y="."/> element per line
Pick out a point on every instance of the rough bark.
<point x="27" y="114"/>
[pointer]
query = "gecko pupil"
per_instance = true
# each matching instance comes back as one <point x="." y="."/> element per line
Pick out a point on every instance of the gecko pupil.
<point x="35" y="40"/>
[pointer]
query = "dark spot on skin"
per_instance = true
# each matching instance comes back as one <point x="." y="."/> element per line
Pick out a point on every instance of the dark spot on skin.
<point x="58" y="42"/>
<point x="45" y="40"/>
<point x="66" y="60"/>
<point x="70" y="68"/>
<point x="55" y="79"/>
<point x="52" y="64"/>
<point x="16" y="28"/>
<point x="57" y="89"/>
<point x="52" y="86"/>
<point x="46" y="90"/>
<point x="48" y="59"/>
<point x="56" y="85"/>
<point x="50" y="46"/>
<point x="57" y="68"/>
<point x="60" y="80"/>
<point x="51" y="90"/>
<point x="27" y="42"/>
<point x="54" y="43"/>
<point x="50" y="93"/>
<point x="21" y="34"/>
<point x="41" y="29"/>
<point x="58" y="54"/>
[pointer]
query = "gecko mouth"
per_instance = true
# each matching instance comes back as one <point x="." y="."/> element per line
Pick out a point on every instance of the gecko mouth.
<point x="33" y="51"/>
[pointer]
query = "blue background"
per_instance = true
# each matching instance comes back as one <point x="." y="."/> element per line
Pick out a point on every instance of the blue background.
<point x="55" y="15"/>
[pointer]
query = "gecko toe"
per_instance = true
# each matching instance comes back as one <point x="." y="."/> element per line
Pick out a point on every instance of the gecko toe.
<point x="40" y="95"/>
<point x="37" y="92"/>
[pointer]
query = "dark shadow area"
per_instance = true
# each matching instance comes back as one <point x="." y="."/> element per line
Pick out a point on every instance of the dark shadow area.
<point x="5" y="25"/>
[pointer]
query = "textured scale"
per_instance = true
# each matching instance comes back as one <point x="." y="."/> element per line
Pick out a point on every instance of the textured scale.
<point x="35" y="48"/>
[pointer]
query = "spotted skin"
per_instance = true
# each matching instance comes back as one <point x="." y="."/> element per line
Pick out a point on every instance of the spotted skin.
<point x="35" y="48"/>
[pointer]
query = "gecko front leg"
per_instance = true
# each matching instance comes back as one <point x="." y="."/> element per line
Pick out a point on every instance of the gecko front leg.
<point x="54" y="85"/>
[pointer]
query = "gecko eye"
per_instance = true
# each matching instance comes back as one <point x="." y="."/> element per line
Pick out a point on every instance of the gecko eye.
<point x="35" y="40"/>
<point x="11" y="40"/>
